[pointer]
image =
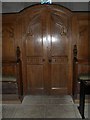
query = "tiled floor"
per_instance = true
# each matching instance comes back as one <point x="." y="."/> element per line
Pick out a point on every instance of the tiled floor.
<point x="42" y="107"/>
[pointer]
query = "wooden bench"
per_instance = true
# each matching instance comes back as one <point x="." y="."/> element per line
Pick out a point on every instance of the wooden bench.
<point x="84" y="90"/>
<point x="12" y="76"/>
<point x="81" y="80"/>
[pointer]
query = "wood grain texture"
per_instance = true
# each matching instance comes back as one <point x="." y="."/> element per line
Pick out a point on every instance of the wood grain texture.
<point x="46" y="35"/>
<point x="8" y="37"/>
<point x="46" y="46"/>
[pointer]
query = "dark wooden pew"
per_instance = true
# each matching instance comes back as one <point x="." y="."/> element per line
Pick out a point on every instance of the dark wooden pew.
<point x="84" y="90"/>
<point x="12" y="82"/>
<point x="81" y="80"/>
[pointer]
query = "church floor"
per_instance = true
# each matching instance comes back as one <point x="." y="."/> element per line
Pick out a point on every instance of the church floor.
<point x="42" y="107"/>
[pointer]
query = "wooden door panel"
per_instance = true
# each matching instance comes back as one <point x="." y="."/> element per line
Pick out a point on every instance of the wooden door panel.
<point x="59" y="75"/>
<point x="35" y="79"/>
<point x="34" y="56"/>
<point x="59" y="39"/>
<point x="59" y="56"/>
<point x="34" y="41"/>
<point x="58" y="78"/>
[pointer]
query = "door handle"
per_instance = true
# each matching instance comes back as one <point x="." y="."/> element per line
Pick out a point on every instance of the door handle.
<point x="50" y="60"/>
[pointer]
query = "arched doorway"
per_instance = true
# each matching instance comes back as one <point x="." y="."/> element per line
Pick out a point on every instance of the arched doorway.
<point x="47" y="49"/>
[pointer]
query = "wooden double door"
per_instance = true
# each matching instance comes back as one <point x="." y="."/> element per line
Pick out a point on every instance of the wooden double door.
<point x="47" y="52"/>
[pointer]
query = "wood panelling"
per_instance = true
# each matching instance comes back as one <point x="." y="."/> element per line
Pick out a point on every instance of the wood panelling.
<point x="83" y="42"/>
<point x="8" y="37"/>
<point x="8" y="70"/>
<point x="46" y="35"/>
<point x="83" y="45"/>
<point x="82" y="52"/>
<point x="80" y="31"/>
<point x="8" y="41"/>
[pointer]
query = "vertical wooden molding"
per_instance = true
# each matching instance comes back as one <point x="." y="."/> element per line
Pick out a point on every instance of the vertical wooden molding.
<point x="75" y="30"/>
<point x="75" y="53"/>
<point x="18" y="53"/>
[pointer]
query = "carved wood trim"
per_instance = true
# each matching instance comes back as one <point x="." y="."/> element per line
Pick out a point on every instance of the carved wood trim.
<point x="34" y="60"/>
<point x="75" y="53"/>
<point x="59" y="60"/>
<point x="18" y="52"/>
